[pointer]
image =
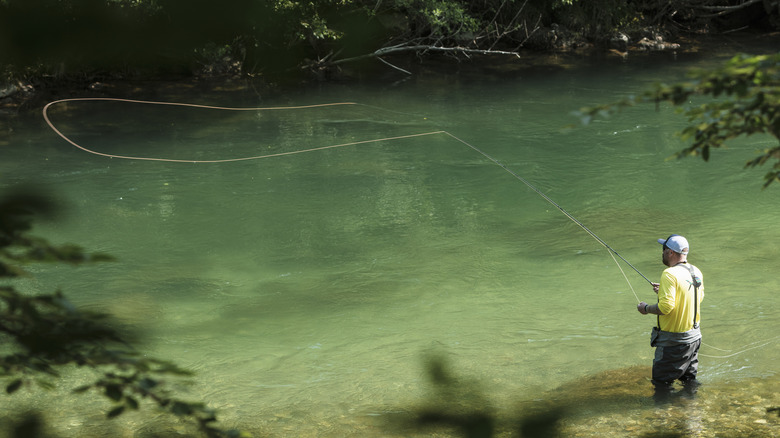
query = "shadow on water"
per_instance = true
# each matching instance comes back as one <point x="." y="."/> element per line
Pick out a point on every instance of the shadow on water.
<point x="612" y="403"/>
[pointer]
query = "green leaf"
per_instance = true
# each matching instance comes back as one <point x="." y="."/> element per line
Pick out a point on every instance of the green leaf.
<point x="115" y="412"/>
<point x="131" y="403"/>
<point x="147" y="384"/>
<point x="114" y="392"/>
<point x="181" y="408"/>
<point x="82" y="389"/>
<point x="13" y="386"/>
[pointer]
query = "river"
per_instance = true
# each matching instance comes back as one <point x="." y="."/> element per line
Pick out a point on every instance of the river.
<point x="311" y="291"/>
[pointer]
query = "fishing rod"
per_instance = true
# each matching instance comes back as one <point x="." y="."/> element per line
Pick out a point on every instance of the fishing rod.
<point x="611" y="251"/>
<point x="481" y="152"/>
<point x="752" y="346"/>
<point x="548" y="199"/>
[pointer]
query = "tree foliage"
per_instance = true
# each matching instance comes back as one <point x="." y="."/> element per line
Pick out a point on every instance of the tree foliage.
<point x="88" y="37"/>
<point x="41" y="334"/>
<point x="744" y="100"/>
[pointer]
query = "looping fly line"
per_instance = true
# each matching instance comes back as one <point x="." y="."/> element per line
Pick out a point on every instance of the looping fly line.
<point x="190" y="105"/>
<point x="610" y="250"/>
<point x="46" y="117"/>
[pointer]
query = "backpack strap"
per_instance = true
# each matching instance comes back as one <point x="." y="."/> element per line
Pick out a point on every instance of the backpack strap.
<point x="696" y="285"/>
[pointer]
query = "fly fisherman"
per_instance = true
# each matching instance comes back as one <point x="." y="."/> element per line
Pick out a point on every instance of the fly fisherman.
<point x="676" y="336"/>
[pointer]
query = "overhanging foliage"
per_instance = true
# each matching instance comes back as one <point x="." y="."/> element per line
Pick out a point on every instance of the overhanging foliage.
<point x="43" y="333"/>
<point x="744" y="100"/>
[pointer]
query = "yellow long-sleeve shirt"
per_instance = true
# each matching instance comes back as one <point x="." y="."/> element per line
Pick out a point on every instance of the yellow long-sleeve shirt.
<point x="675" y="298"/>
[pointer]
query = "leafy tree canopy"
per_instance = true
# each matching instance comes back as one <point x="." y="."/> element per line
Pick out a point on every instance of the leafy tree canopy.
<point x="71" y="37"/>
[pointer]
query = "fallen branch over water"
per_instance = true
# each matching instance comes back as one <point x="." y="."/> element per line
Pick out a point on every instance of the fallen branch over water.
<point x="420" y="48"/>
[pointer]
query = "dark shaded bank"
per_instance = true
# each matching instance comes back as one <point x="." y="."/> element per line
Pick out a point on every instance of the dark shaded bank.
<point x="31" y="94"/>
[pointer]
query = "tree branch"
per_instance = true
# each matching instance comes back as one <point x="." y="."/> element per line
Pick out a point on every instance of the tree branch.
<point x="394" y="66"/>
<point x="422" y="48"/>
<point x="723" y="10"/>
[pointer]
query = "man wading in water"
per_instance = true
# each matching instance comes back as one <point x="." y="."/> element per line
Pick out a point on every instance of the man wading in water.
<point x="676" y="337"/>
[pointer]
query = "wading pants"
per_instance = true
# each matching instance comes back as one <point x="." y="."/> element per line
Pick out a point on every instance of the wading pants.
<point x="675" y="361"/>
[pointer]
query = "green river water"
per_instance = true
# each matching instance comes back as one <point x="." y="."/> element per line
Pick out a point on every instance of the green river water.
<point x="308" y="291"/>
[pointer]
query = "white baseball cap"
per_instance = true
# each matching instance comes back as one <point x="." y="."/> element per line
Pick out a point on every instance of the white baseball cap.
<point x="676" y="243"/>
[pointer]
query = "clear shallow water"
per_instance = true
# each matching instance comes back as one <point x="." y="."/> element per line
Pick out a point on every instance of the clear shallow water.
<point x="308" y="290"/>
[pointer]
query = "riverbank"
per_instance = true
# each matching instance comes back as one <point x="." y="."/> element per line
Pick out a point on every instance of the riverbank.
<point x="565" y="50"/>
